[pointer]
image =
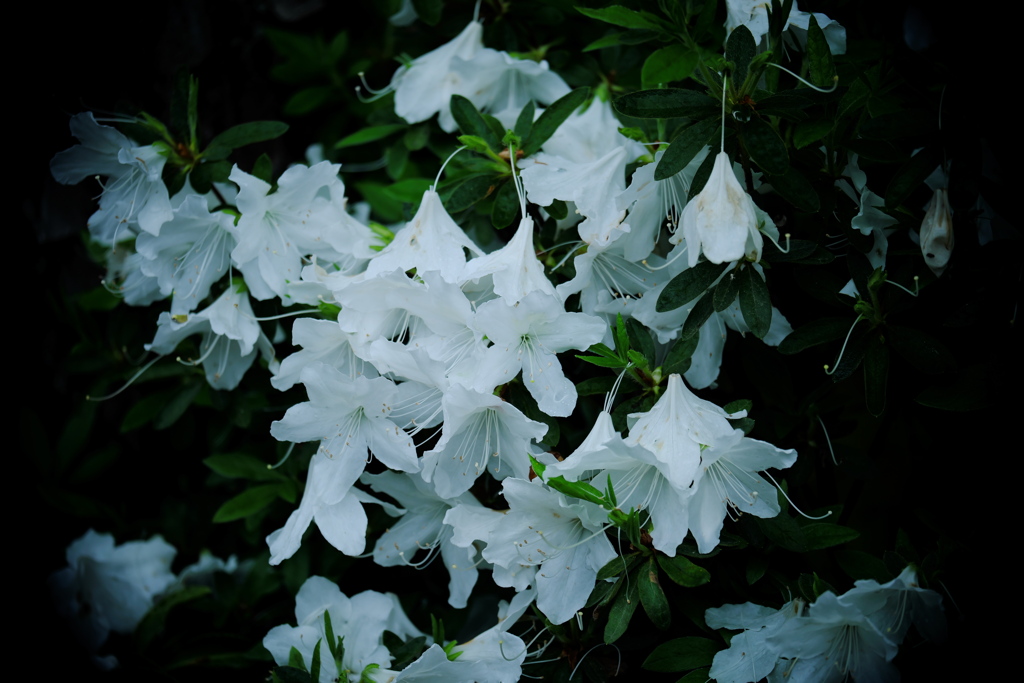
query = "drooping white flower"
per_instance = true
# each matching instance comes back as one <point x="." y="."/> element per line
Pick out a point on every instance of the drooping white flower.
<point x="937" y="233"/>
<point x="754" y="15"/>
<point x="721" y="221"/>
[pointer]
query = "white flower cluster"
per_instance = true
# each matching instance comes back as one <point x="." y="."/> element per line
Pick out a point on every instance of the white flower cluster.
<point x="855" y="634"/>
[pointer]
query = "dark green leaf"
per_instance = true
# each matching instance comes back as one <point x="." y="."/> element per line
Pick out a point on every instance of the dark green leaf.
<point x="241" y="135"/>
<point x="697" y="316"/>
<point x="618" y="565"/>
<point x="860" y="565"/>
<point x="689" y="285"/>
<point x="621" y="611"/>
<point x="683" y="571"/>
<point x="685" y="146"/>
<point x="290" y="674"/>
<point x="672" y="63"/>
<point x="429" y="11"/>
<point x="821" y="331"/>
<point x="755" y="302"/>
<point x="548" y="122"/>
<point x="819" y="57"/>
<point x="810" y="132"/>
<point x="314" y="665"/>
<point x="678" y="359"/>
<point x="797" y="190"/>
<point x="469" y="191"/>
<point x="143" y="411"/>
<point x="405" y="653"/>
<point x="682" y="654"/>
<point x="416" y="137"/>
<point x="877" y="150"/>
<point x="595" y="385"/>
<point x="524" y="122"/>
<point x="152" y="625"/>
<point x="969" y="389"/>
<point x="765" y="146"/>
<point x="921" y="350"/>
<point x="264" y="168"/>
<point x="783" y="531"/>
<point x="295" y="659"/>
<point x="821" y="535"/>
<point x="558" y="210"/>
<point x="653" y="597"/>
<point x="205" y="174"/>
<point x="797" y="250"/>
<point x="371" y="134"/>
<point x="853" y="352"/>
<point x="602" y="362"/>
<point x="506" y="205"/>
<point x="900" y="124"/>
<point x="241" y="466"/>
<point x="666" y="103"/>
<point x="621" y="16"/>
<point x="178" y="404"/>
<point x="308" y="99"/>
<point x="246" y="503"/>
<point x="726" y="291"/>
<point x="756" y="568"/>
<point x="472" y="122"/>
<point x="911" y="176"/>
<point x="700" y="178"/>
<point x="640" y="339"/>
<point x="876" y="376"/>
<point x="740" y="49"/>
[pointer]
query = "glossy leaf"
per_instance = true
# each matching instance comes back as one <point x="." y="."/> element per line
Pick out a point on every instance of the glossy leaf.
<point x="246" y="503"/>
<point x="621" y="16"/>
<point x="653" y="597"/>
<point x="506" y="205"/>
<point x="740" y="49"/>
<point x="685" y="146"/>
<point x="689" y="285"/>
<point x="819" y="57"/>
<point x="621" y="611"/>
<point x="797" y="190"/>
<point x="371" y="134"/>
<point x="672" y="63"/>
<point x="698" y="315"/>
<point x="472" y="122"/>
<point x="666" y="103"/>
<point x="755" y="302"/>
<point x="821" y="331"/>
<point x="682" y="654"/>
<point x="553" y="117"/>
<point x="683" y="571"/>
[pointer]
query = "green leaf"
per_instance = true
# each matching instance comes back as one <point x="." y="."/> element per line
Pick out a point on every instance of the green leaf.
<point x="797" y="190"/>
<point x="861" y="565"/>
<point x="595" y="385"/>
<point x="472" y="122"/>
<point x="925" y="353"/>
<point x="640" y="339"/>
<point x="308" y="99"/>
<point x="142" y="412"/>
<point x="821" y="535"/>
<point x="390" y="200"/>
<point x="876" y="376"/>
<point x="756" y="568"/>
<point x="621" y="611"/>
<point x="727" y="291"/>
<point x="618" y="565"/>
<point x="740" y="48"/>
<point x="683" y="571"/>
<point x="602" y="362"/>
<point x="204" y="175"/>
<point x="765" y="146"/>
<point x="666" y="103"/>
<point x="819" y="57"/>
<point x="682" y="654"/>
<point x="264" y="168"/>
<point x="811" y="131"/>
<point x="653" y="597"/>
<point x="524" y="122"/>
<point x="246" y="503"/>
<point x="178" y="404"/>
<point x="689" y="285"/>
<point x="621" y="16"/>
<point x="549" y="121"/>
<point x="295" y="659"/>
<point x="506" y="205"/>
<point x="611" y="40"/>
<point x="557" y="210"/>
<point x="966" y="390"/>
<point x="370" y="134"/>
<point x="910" y="177"/>
<point x="314" y="665"/>
<point x="755" y="302"/>
<point x="854" y="98"/>
<point x="685" y="146"/>
<point x="698" y="315"/>
<point x="679" y="357"/>
<point x="290" y="674"/>
<point x="152" y="625"/>
<point x="701" y="675"/>
<point x="814" y="333"/>
<point x="672" y="63"/>
<point x="429" y="11"/>
<point x="242" y="466"/>
<point x="241" y="135"/>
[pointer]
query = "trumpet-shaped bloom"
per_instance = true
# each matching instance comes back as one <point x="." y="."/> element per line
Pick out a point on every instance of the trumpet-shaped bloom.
<point x="937" y="233"/>
<point x="721" y="221"/>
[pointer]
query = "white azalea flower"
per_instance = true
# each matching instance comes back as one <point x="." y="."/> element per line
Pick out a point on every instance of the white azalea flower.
<point x="721" y="221"/>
